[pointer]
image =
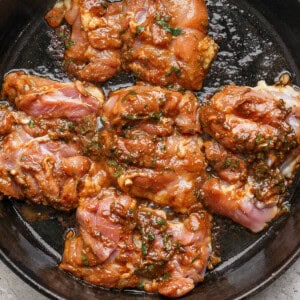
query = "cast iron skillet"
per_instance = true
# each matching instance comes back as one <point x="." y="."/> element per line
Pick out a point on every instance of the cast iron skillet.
<point x="258" y="39"/>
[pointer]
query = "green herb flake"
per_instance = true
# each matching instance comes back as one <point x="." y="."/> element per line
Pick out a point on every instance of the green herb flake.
<point x="69" y="43"/>
<point x="161" y="222"/>
<point x="141" y="285"/>
<point x="259" y="139"/>
<point x="112" y="163"/>
<point x="131" y="211"/>
<point x="31" y="123"/>
<point x="174" y="70"/>
<point x="227" y="163"/>
<point x="62" y="34"/>
<point x="132" y="92"/>
<point x="84" y="259"/>
<point x="236" y="165"/>
<point x="163" y="23"/>
<point x="139" y="29"/>
<point x="166" y="276"/>
<point x="156" y="115"/>
<point x="117" y="173"/>
<point x="144" y="249"/>
<point x="150" y="268"/>
<point x="151" y="237"/>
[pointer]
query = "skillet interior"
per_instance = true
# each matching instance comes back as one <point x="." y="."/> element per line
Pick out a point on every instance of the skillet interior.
<point x="258" y="33"/>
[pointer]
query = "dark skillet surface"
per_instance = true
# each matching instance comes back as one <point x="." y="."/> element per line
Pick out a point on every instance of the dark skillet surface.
<point x="258" y="39"/>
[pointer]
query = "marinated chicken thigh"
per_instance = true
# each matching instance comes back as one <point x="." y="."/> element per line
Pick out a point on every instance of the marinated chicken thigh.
<point x="151" y="139"/>
<point x="257" y="154"/>
<point x="167" y="42"/>
<point x="162" y="42"/>
<point x="141" y="166"/>
<point x="121" y="243"/>
<point x="43" y="144"/>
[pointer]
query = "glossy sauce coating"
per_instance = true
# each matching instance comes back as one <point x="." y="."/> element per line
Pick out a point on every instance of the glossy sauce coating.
<point x="143" y="167"/>
<point x="161" y="42"/>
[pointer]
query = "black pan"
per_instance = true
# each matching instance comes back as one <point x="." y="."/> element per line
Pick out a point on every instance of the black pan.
<point x="259" y="39"/>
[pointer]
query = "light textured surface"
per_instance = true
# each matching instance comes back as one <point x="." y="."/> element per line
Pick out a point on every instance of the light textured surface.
<point x="287" y="287"/>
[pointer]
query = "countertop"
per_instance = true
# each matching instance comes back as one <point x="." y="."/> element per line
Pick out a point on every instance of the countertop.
<point x="286" y="287"/>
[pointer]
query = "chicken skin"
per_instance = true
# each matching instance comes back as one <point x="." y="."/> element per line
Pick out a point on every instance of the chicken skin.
<point x="162" y="42"/>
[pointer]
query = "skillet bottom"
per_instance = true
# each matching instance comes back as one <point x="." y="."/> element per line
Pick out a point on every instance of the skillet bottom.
<point x="249" y="52"/>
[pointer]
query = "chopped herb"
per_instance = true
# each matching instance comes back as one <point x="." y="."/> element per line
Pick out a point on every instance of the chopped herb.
<point x="31" y="123"/>
<point x="69" y="43"/>
<point x="84" y="259"/>
<point x="123" y="99"/>
<point x="163" y="23"/>
<point x="118" y="173"/>
<point x="151" y="237"/>
<point x="236" y="165"/>
<point x="174" y="70"/>
<point x="144" y="249"/>
<point x="132" y="92"/>
<point x="166" y="276"/>
<point x="62" y="34"/>
<point x="112" y="163"/>
<point x="259" y="139"/>
<point x="131" y="210"/>
<point x="161" y="222"/>
<point x="227" y="163"/>
<point x="156" y="115"/>
<point x="150" y="268"/>
<point x="139" y="29"/>
<point x="141" y="285"/>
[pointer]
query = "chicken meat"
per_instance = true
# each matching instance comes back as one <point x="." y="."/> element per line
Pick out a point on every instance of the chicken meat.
<point x="255" y="153"/>
<point x="122" y="243"/>
<point x="44" y="142"/>
<point x="162" y="42"/>
<point x="152" y="144"/>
